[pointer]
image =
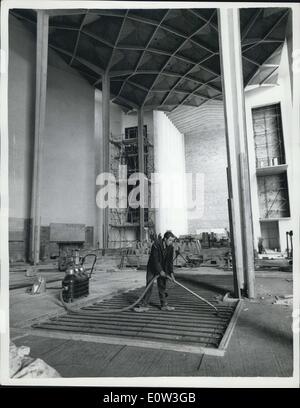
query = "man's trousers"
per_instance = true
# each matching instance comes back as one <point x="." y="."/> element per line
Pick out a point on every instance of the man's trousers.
<point x="161" y="286"/>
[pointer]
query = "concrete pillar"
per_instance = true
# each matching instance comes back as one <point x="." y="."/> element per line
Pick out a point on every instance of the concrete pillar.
<point x="40" y="110"/>
<point x="236" y="139"/>
<point x="141" y="161"/>
<point x="98" y="227"/>
<point x="105" y="146"/>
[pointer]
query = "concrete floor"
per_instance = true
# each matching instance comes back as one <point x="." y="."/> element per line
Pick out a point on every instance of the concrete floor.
<point x="261" y="344"/>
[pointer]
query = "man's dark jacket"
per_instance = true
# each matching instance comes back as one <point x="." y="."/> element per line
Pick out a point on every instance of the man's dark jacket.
<point x="160" y="259"/>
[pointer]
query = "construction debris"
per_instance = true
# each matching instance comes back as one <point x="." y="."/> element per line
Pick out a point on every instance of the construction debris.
<point x="17" y="357"/>
<point x="39" y="286"/>
<point x="37" y="368"/>
<point x="189" y="251"/>
<point x="22" y="365"/>
<point x="31" y="271"/>
<point x="229" y="299"/>
<point x="285" y="300"/>
<point x="136" y="256"/>
<point x="279" y="263"/>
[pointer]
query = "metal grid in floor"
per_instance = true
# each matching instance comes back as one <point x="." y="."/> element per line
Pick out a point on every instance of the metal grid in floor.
<point x="192" y="323"/>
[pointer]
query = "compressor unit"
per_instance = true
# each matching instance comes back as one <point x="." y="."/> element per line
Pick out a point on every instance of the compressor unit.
<point x="76" y="281"/>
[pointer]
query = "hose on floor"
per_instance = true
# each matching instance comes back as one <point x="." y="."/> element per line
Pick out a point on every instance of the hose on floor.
<point x="196" y="295"/>
<point x="124" y="309"/>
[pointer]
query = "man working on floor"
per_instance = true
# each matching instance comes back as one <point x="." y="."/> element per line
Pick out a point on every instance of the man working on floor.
<point x="160" y="264"/>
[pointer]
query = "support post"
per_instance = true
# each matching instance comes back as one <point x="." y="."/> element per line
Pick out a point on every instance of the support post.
<point x="141" y="161"/>
<point x="105" y="139"/>
<point x="232" y="228"/>
<point x="98" y="227"/>
<point x="236" y="140"/>
<point x="40" y="111"/>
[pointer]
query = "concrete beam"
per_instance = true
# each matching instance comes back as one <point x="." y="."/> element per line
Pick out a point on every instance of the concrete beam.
<point x="40" y="111"/>
<point x="236" y="139"/>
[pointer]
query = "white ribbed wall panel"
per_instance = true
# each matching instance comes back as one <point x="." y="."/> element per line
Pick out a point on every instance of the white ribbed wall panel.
<point x="169" y="162"/>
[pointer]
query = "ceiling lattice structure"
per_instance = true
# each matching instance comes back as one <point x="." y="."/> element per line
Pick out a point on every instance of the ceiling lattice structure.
<point x="161" y="58"/>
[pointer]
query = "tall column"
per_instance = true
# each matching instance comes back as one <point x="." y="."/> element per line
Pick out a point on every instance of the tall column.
<point x="98" y="226"/>
<point x="141" y="161"/>
<point x="236" y="139"/>
<point x="105" y="145"/>
<point x="40" y="111"/>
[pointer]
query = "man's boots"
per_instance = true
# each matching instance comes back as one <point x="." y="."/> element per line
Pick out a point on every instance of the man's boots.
<point x="167" y="308"/>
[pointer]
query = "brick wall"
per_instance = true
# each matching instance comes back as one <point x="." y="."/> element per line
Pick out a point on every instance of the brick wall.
<point x="205" y="152"/>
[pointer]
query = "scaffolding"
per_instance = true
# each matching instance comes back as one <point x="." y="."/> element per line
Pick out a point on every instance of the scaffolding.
<point x="272" y="182"/>
<point x="125" y="222"/>
<point x="268" y="136"/>
<point x="273" y="196"/>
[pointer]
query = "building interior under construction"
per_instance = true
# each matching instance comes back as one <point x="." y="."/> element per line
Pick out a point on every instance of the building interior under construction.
<point x="198" y="91"/>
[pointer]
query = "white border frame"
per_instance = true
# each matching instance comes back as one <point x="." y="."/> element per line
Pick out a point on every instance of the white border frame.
<point x="221" y="382"/>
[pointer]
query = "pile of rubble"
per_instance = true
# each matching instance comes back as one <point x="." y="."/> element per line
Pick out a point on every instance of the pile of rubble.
<point x="21" y="365"/>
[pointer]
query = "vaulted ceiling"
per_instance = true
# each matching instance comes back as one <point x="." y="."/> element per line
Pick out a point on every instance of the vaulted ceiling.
<point x="161" y="58"/>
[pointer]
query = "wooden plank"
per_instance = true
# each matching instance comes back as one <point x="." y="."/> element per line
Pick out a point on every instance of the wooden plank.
<point x="155" y="308"/>
<point x="198" y="319"/>
<point x="229" y="331"/>
<point x="24" y="284"/>
<point x="143" y="332"/>
<point x="139" y="319"/>
<point x="180" y="303"/>
<point x="182" y="348"/>
<point x="183" y="315"/>
<point x="134" y="324"/>
<point x="203" y="340"/>
<point x="186" y="307"/>
<point x="40" y="112"/>
<point x="177" y="314"/>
